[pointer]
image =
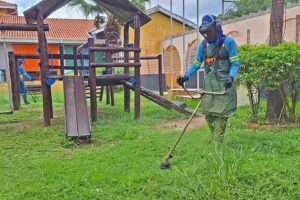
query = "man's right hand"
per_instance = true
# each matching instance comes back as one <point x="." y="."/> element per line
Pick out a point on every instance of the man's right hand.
<point x="182" y="79"/>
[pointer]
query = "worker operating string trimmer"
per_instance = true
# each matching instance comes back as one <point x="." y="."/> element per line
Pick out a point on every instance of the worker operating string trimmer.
<point x="218" y="56"/>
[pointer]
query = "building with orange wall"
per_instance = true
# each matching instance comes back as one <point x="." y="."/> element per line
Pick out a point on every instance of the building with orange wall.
<point x="154" y="31"/>
<point x="7" y="8"/>
<point x="152" y="35"/>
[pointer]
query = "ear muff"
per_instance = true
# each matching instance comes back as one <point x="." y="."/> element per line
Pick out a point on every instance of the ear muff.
<point x="218" y="25"/>
<point x="217" y="22"/>
<point x="214" y="21"/>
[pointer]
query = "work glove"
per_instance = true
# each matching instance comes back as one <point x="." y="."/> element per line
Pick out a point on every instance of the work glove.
<point x="228" y="82"/>
<point x="182" y="79"/>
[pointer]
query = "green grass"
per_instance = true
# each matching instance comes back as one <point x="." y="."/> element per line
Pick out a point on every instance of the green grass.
<point x="4" y="98"/>
<point x="123" y="160"/>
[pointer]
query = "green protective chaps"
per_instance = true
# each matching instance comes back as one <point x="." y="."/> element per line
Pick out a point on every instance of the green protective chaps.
<point x="215" y="76"/>
<point x="218" y="108"/>
<point x="217" y="127"/>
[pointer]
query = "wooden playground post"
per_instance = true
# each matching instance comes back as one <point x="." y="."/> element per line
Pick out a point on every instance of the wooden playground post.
<point x="92" y="82"/>
<point x="161" y="90"/>
<point x="14" y="84"/>
<point x="126" y="69"/>
<point x="137" y="70"/>
<point x="107" y="71"/>
<point x="48" y="86"/>
<point x="16" y="68"/>
<point x="43" y="59"/>
<point x="248" y="37"/>
<point x="297" y="29"/>
<point x="75" y="61"/>
<point x="61" y="59"/>
<point x="17" y="81"/>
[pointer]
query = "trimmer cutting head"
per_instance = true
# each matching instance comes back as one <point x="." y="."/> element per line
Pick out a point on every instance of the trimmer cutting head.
<point x="165" y="165"/>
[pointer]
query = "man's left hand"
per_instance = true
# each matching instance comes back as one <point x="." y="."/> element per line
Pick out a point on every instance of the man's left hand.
<point x="228" y="82"/>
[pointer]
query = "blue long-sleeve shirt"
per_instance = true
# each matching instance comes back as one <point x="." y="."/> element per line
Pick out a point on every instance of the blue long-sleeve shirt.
<point x="24" y="73"/>
<point x="231" y="48"/>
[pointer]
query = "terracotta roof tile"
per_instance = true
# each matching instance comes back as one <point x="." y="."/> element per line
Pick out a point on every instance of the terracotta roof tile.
<point x="59" y="28"/>
<point x="4" y="3"/>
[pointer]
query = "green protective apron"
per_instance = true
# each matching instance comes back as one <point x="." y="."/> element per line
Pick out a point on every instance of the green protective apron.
<point x="215" y="76"/>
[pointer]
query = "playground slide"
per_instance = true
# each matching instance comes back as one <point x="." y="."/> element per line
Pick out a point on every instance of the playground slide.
<point x="166" y="103"/>
<point x="76" y="112"/>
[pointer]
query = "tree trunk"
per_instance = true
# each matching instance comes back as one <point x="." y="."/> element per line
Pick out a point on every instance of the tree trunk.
<point x="275" y="99"/>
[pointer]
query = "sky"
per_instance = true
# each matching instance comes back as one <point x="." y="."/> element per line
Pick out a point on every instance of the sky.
<point x="205" y="7"/>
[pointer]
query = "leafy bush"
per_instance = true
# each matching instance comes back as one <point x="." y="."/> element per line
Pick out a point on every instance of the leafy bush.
<point x="265" y="67"/>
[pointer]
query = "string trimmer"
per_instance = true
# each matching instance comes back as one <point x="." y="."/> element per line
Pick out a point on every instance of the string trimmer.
<point x="165" y="163"/>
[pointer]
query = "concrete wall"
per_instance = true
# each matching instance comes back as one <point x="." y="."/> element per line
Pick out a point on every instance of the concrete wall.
<point x="254" y="28"/>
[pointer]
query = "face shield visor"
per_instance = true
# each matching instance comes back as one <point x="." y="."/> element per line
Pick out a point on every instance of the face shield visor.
<point x="209" y="32"/>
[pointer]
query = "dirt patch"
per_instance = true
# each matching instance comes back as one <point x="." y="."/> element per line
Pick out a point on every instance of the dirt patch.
<point x="142" y="104"/>
<point x="14" y="126"/>
<point x="178" y="125"/>
<point x="253" y="125"/>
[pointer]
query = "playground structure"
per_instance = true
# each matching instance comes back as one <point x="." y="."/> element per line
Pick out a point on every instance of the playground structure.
<point x="129" y="16"/>
<point x="39" y="12"/>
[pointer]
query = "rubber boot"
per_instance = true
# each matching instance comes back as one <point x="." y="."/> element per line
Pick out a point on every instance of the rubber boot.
<point x="25" y="99"/>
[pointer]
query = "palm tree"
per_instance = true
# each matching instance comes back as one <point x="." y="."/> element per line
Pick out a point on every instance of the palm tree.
<point x="112" y="27"/>
<point x="140" y="3"/>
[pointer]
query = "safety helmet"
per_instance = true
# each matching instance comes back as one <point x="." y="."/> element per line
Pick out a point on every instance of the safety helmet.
<point x="209" y="22"/>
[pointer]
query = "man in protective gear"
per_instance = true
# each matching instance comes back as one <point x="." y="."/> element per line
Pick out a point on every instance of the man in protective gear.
<point x="23" y="75"/>
<point x="218" y="56"/>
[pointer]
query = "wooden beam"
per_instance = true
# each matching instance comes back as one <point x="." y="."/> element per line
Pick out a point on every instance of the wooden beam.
<point x="75" y="61"/>
<point x="137" y="70"/>
<point x="126" y="69"/>
<point x="94" y="65"/>
<point x="115" y="49"/>
<point x="298" y="29"/>
<point x="55" y="56"/>
<point x="159" y="99"/>
<point x="142" y="58"/>
<point x="60" y="67"/>
<point x="62" y="61"/>
<point x="107" y="71"/>
<point x="44" y="64"/>
<point x="22" y="27"/>
<point x="114" y="77"/>
<point x="14" y="83"/>
<point x="48" y="86"/>
<point x="160" y="77"/>
<point x="248" y="36"/>
<point x="92" y="82"/>
<point x="47" y="7"/>
<point x="16" y="70"/>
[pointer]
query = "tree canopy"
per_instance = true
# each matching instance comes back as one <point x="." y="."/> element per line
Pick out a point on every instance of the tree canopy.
<point x="245" y="7"/>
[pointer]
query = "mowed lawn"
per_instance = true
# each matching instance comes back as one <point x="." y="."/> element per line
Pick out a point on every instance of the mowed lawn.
<point x="122" y="162"/>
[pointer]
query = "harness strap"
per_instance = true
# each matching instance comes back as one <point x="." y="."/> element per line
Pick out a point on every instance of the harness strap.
<point x="210" y="60"/>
